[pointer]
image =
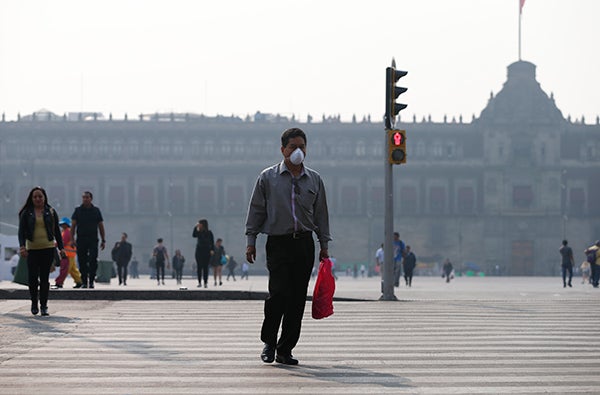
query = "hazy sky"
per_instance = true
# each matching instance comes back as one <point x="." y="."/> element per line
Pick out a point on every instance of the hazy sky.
<point x="290" y="57"/>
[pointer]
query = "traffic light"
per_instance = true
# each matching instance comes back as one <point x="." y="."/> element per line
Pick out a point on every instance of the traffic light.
<point x="391" y="94"/>
<point x="396" y="140"/>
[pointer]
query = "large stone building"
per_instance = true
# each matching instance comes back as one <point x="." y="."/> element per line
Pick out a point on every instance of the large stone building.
<point x="501" y="191"/>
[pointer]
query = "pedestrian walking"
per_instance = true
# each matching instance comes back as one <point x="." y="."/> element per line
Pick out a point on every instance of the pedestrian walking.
<point x="399" y="247"/>
<point x="39" y="236"/>
<point x="592" y="254"/>
<point x="134" y="268"/>
<point x="231" y="265"/>
<point x="178" y="262"/>
<point x="408" y="265"/>
<point x="161" y="257"/>
<point x="245" y="270"/>
<point x="86" y="222"/>
<point x="68" y="266"/>
<point x="447" y="269"/>
<point x="121" y="254"/>
<point x="288" y="204"/>
<point x="217" y="261"/>
<point x="585" y="272"/>
<point x="567" y="263"/>
<point x="205" y="248"/>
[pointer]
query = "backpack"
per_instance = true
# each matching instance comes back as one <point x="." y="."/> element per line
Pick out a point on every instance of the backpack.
<point x="160" y="254"/>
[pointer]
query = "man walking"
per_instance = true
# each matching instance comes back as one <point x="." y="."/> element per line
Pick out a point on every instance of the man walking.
<point x="86" y="222"/>
<point x="567" y="262"/>
<point x="288" y="204"/>
<point x="122" y="252"/>
<point x="408" y="264"/>
<point x="398" y="254"/>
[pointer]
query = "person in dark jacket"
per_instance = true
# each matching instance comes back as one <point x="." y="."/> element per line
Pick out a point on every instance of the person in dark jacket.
<point x="205" y="248"/>
<point x="567" y="262"/>
<point x="121" y="254"/>
<point x="39" y="236"/>
<point x="408" y="265"/>
<point x="447" y="269"/>
<point x="86" y="222"/>
<point x="178" y="262"/>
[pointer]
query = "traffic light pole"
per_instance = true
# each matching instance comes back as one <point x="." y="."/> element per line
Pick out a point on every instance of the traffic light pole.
<point x="387" y="283"/>
<point x="395" y="149"/>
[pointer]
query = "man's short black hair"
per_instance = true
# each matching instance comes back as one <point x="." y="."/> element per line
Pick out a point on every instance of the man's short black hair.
<point x="291" y="133"/>
<point x="565" y="242"/>
<point x="89" y="193"/>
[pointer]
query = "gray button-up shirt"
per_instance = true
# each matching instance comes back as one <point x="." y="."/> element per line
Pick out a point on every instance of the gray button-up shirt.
<point x="279" y="206"/>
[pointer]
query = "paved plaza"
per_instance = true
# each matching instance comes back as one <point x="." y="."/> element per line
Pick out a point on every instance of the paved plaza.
<point x="488" y="335"/>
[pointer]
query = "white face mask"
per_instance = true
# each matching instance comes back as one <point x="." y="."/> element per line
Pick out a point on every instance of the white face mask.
<point x="297" y="157"/>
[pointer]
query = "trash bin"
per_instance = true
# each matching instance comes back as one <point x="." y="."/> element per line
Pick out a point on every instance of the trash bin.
<point x="104" y="273"/>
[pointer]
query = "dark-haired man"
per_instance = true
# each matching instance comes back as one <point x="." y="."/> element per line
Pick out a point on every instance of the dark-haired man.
<point x="567" y="262"/>
<point x="288" y="204"/>
<point x="86" y="221"/>
<point x="121" y="254"/>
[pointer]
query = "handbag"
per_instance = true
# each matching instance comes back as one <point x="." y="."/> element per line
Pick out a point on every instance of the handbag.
<point x="322" y="302"/>
<point x="21" y="272"/>
<point x="55" y="260"/>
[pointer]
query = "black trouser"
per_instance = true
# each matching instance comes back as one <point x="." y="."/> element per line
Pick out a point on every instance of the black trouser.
<point x="87" y="257"/>
<point x="178" y="274"/>
<point x="202" y="259"/>
<point x="289" y="262"/>
<point x="160" y="271"/>
<point x="397" y="273"/>
<point x="595" y="274"/>
<point x="38" y="265"/>
<point x="408" y="275"/>
<point x="567" y="269"/>
<point x="122" y="271"/>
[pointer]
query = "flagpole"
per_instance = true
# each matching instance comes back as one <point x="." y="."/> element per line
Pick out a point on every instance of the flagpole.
<point x="519" y="29"/>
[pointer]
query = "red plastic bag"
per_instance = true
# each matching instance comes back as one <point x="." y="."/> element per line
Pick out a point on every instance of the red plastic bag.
<point x="322" y="301"/>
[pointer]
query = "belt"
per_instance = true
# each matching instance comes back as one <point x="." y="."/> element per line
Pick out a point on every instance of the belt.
<point x="295" y="235"/>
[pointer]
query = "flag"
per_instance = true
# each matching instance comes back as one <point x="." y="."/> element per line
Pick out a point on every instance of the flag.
<point x="521" y="4"/>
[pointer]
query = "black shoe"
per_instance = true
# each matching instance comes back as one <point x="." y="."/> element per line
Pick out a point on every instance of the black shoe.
<point x="78" y="285"/>
<point x="34" y="309"/>
<point x="84" y="286"/>
<point x="569" y="285"/>
<point x="286" y="359"/>
<point x="91" y="285"/>
<point x="268" y="354"/>
<point x="56" y="286"/>
<point x="45" y="310"/>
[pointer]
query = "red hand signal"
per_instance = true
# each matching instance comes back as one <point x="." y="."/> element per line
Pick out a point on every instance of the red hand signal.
<point x="397" y="138"/>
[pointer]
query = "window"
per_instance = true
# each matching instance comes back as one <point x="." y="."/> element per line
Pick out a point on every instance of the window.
<point x="146" y="198"/>
<point x="576" y="201"/>
<point x="116" y="199"/>
<point x="408" y="199"/>
<point x="176" y="202"/>
<point x="206" y="199"/>
<point x="466" y="200"/>
<point x="437" y="200"/>
<point x="349" y="199"/>
<point x="522" y="196"/>
<point x="235" y="199"/>
<point x="377" y="203"/>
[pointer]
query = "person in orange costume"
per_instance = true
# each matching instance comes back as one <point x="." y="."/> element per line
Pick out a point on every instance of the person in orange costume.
<point x="67" y="265"/>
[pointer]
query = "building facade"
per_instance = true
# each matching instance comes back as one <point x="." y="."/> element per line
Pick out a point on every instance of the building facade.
<point x="501" y="191"/>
